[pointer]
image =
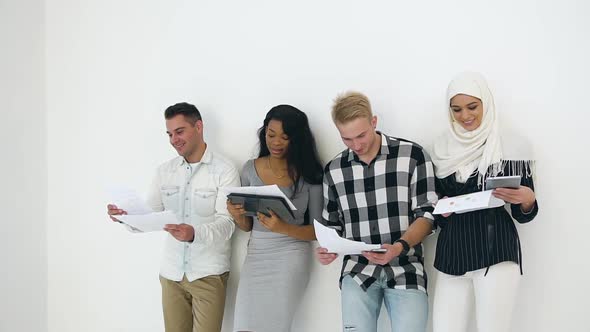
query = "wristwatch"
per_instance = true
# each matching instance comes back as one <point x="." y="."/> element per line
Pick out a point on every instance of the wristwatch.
<point x="404" y="244"/>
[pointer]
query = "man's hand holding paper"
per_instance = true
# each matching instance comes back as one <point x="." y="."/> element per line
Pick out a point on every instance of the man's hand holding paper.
<point x="329" y="239"/>
<point x="130" y="209"/>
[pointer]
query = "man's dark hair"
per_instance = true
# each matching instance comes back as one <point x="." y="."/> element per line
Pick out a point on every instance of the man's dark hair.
<point x="190" y="112"/>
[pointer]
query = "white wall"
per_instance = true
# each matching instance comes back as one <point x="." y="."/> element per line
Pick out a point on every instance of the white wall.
<point x="113" y="66"/>
<point x="23" y="176"/>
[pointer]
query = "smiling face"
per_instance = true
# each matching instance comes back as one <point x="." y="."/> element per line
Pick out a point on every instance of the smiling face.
<point x="276" y="139"/>
<point x="186" y="138"/>
<point x="467" y="111"/>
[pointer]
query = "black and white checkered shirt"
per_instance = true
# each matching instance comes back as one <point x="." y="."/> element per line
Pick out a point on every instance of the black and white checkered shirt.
<point x="376" y="204"/>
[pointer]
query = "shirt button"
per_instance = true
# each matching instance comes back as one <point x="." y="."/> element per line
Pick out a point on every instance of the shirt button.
<point x="186" y="199"/>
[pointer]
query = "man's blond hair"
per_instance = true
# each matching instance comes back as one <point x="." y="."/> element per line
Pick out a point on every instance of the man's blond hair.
<point x="350" y="106"/>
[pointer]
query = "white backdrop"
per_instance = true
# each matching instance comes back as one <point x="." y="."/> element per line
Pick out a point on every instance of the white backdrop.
<point x="113" y="66"/>
<point x="23" y="170"/>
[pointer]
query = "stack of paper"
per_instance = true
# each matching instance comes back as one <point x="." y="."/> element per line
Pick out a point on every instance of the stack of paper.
<point x="329" y="239"/>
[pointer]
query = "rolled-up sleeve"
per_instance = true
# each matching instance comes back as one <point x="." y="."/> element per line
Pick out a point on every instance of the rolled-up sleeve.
<point x="422" y="186"/>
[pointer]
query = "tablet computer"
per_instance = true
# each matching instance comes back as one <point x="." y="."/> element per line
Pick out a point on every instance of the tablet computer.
<point x="512" y="182"/>
<point x="261" y="203"/>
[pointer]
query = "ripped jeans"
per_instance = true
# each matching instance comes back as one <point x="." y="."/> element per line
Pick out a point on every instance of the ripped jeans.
<point x="407" y="308"/>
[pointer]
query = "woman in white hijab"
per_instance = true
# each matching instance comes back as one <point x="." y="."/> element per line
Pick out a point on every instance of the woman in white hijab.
<point x="478" y="253"/>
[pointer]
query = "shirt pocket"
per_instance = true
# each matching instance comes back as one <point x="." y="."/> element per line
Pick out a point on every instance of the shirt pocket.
<point x="170" y="197"/>
<point x="203" y="202"/>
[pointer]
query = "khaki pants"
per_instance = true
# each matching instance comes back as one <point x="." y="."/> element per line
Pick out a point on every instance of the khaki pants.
<point x="194" y="306"/>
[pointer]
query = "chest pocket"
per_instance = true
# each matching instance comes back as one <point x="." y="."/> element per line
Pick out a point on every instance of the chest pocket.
<point x="203" y="201"/>
<point x="170" y="197"/>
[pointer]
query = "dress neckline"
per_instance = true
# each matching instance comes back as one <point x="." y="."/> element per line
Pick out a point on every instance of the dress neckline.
<point x="264" y="183"/>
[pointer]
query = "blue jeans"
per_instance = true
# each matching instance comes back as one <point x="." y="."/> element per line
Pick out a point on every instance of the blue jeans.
<point x="407" y="308"/>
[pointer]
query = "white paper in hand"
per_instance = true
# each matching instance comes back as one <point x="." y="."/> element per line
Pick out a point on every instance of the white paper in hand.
<point x="128" y="200"/>
<point x="151" y="222"/>
<point x="140" y="217"/>
<point x="466" y="203"/>
<point x="329" y="239"/>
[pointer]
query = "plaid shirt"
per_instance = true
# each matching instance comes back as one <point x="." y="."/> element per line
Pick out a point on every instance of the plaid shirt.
<point x="376" y="204"/>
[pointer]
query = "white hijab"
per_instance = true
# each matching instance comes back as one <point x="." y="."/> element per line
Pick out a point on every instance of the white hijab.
<point x="462" y="152"/>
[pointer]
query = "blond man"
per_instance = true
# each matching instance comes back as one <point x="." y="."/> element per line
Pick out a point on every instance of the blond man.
<point x="379" y="190"/>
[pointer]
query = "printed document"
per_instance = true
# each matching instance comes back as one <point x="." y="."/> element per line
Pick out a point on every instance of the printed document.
<point x="466" y="203"/>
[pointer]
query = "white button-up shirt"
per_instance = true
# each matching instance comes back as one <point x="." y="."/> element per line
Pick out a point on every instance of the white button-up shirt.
<point x="192" y="193"/>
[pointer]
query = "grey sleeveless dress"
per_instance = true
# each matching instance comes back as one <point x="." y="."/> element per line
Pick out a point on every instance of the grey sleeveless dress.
<point x="276" y="269"/>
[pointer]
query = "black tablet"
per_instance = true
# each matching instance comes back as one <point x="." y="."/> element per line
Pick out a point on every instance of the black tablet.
<point x="261" y="203"/>
<point x="503" y="182"/>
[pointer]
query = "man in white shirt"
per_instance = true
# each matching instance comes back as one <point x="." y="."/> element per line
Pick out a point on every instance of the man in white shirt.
<point x="196" y="259"/>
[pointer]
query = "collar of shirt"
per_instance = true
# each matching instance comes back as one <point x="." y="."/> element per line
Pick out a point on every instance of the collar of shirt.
<point x="205" y="159"/>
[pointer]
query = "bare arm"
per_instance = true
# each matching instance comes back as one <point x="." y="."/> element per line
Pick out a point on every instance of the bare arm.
<point x="304" y="232"/>
<point x="417" y="231"/>
<point x="414" y="235"/>
<point x="238" y="214"/>
<point x="275" y="224"/>
<point x="314" y="207"/>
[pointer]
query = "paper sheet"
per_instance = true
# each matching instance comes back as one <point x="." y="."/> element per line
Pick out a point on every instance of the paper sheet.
<point x="329" y="239"/>
<point x="128" y="200"/>
<point x="139" y="215"/>
<point x="272" y="190"/>
<point x="466" y="203"/>
<point x="150" y="222"/>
